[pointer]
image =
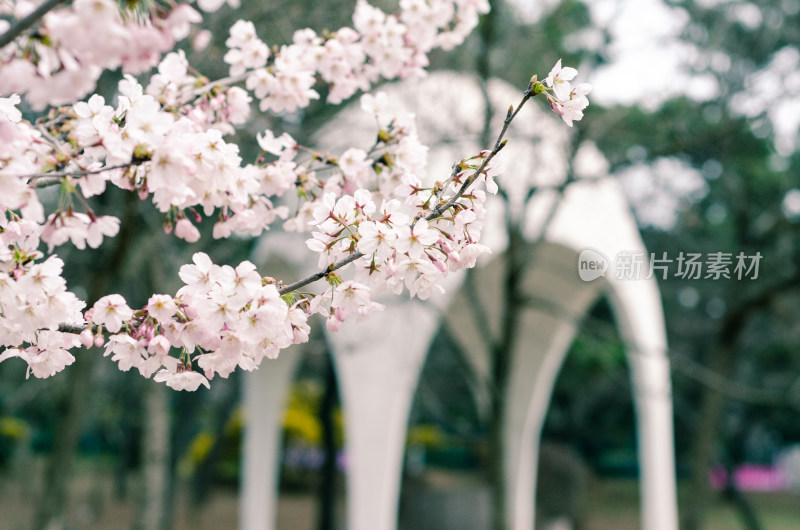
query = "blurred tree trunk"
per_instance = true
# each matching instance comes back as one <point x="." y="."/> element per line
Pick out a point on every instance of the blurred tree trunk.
<point x="204" y="475"/>
<point x="154" y="513"/>
<point x="499" y="350"/>
<point x="500" y="367"/>
<point x="327" y="489"/>
<point x="711" y="407"/>
<point x="49" y="513"/>
<point x="126" y="438"/>
<point x="712" y="401"/>
<point x="734" y="495"/>
<point x="497" y="476"/>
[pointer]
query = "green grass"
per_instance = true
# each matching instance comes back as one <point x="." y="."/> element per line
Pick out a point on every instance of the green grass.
<point x="614" y="505"/>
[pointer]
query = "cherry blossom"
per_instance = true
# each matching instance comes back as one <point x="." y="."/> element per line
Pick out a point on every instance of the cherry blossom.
<point x="111" y="311"/>
<point x="162" y="308"/>
<point x="569" y="102"/>
<point x="559" y="79"/>
<point x="182" y="380"/>
<point x="374" y="217"/>
<point x="48" y="357"/>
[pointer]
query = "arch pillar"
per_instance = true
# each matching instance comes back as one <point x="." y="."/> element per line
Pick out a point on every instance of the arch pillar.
<point x="378" y="362"/>
<point x="637" y="306"/>
<point x="548" y="330"/>
<point x="527" y="407"/>
<point x="265" y="393"/>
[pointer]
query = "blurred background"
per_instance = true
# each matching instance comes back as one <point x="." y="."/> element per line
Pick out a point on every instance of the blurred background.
<point x="695" y="109"/>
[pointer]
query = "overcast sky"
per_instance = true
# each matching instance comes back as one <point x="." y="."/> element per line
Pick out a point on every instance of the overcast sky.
<point x="650" y="63"/>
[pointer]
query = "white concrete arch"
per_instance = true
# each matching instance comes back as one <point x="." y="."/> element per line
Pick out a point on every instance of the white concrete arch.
<point x="548" y="327"/>
<point x="265" y="394"/>
<point x="638" y="313"/>
<point x="378" y="361"/>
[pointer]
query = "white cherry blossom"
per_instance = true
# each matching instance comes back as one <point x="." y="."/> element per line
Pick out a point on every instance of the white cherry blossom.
<point x="559" y="79"/>
<point x="168" y="138"/>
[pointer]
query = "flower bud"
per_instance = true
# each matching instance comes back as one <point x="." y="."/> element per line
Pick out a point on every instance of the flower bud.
<point x="86" y="338"/>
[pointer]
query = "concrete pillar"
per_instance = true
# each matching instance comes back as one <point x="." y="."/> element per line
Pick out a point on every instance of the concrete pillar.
<point x="265" y="393"/>
<point x="637" y="306"/>
<point x="378" y="362"/>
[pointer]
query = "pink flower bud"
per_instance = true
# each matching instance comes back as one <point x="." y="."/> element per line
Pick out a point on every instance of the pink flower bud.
<point x="184" y="229"/>
<point x="201" y="40"/>
<point x="86" y="338"/>
<point x="99" y="341"/>
<point x="556" y="106"/>
<point x="333" y="324"/>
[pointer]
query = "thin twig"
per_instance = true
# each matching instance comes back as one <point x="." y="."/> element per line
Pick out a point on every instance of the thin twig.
<point x="498" y="145"/>
<point x="53" y="178"/>
<point x="199" y="91"/>
<point x="437" y="212"/>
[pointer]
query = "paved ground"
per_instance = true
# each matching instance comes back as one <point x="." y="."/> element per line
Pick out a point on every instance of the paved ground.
<point x="93" y="506"/>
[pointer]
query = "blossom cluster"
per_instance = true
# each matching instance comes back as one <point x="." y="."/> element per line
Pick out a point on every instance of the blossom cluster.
<point x="405" y="238"/>
<point x="351" y="59"/>
<point x="223" y="318"/>
<point x="377" y="222"/>
<point x="34" y="301"/>
<point x="569" y="102"/>
<point x="61" y="61"/>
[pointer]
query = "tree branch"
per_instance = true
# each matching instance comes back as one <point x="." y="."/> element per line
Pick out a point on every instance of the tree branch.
<point x="321" y="274"/>
<point x="438" y="210"/>
<point x="52" y="179"/>
<point x="20" y="26"/>
<point x="435" y="213"/>
<point x="498" y="145"/>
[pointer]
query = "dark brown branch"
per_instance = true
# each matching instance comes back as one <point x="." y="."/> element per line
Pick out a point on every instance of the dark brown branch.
<point x="321" y="274"/>
<point x="52" y="179"/>
<point x="732" y="389"/>
<point x="20" y="26"/>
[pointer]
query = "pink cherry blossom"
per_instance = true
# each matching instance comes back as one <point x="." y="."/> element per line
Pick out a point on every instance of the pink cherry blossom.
<point x="559" y="79"/>
<point x="182" y="380"/>
<point x="161" y="307"/>
<point x="111" y="311"/>
<point x="169" y="138"/>
<point x="184" y="229"/>
<point x="413" y="241"/>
